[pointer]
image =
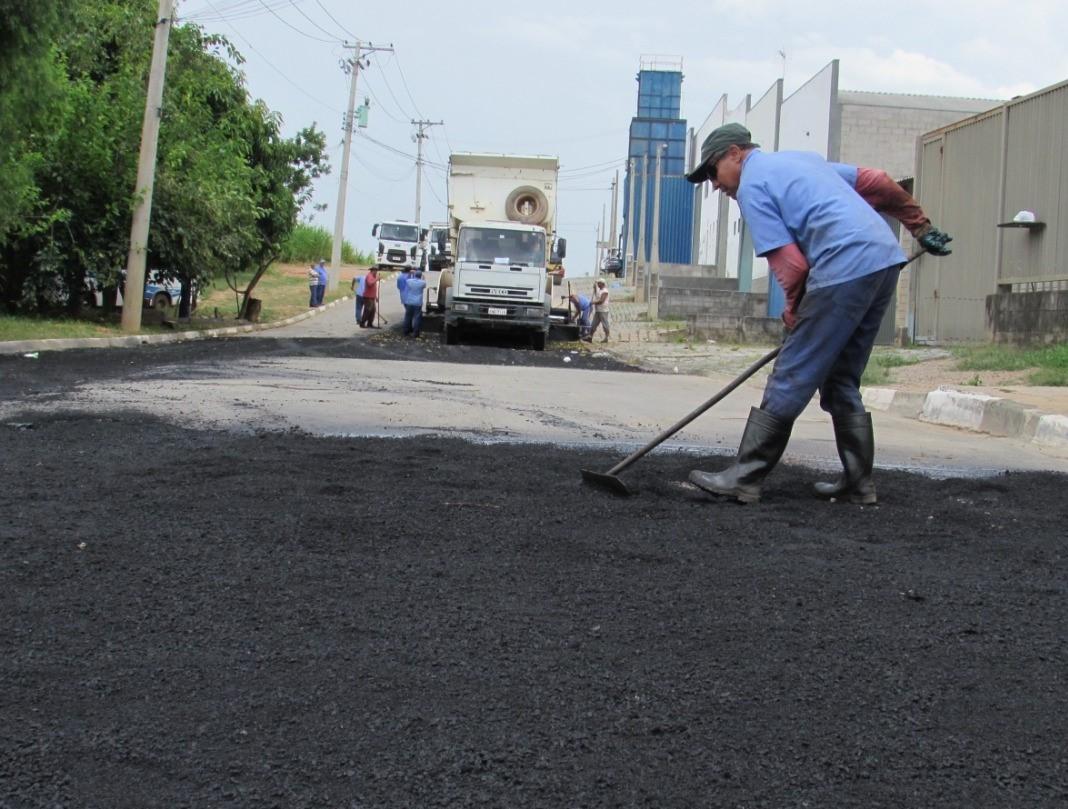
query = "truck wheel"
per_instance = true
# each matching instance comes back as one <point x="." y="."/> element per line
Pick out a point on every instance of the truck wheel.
<point x="528" y="205"/>
<point x="161" y="301"/>
<point x="537" y="340"/>
<point x="450" y="334"/>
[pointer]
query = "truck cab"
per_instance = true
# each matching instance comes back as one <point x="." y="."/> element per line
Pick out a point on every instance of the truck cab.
<point x="500" y="281"/>
<point x="400" y="245"/>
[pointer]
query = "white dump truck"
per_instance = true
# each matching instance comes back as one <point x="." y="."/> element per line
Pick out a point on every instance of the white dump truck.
<point x="400" y="245"/>
<point x="502" y="211"/>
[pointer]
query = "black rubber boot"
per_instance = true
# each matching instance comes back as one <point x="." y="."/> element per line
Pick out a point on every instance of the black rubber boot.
<point x="856" y="447"/>
<point x="762" y="445"/>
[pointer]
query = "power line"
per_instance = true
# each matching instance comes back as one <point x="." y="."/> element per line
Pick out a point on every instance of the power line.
<point x="391" y="93"/>
<point x="242" y="9"/>
<point x="290" y="25"/>
<point x="405" y="82"/>
<point x="313" y="22"/>
<point x="378" y="101"/>
<point x="277" y="70"/>
<point x="318" y="2"/>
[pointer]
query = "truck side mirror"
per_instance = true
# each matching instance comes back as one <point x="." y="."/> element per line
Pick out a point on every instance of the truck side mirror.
<point x="441" y="242"/>
<point x="561" y="247"/>
<point x="374" y="230"/>
<point x="422" y="234"/>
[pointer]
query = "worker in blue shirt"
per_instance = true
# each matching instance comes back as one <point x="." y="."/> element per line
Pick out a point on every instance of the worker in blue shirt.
<point x="582" y="304"/>
<point x="819" y="226"/>
<point x="412" y="298"/>
<point x="324" y="277"/>
<point x="358" y="285"/>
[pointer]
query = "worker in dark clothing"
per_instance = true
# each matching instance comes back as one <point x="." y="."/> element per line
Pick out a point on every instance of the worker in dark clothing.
<point x="837" y="260"/>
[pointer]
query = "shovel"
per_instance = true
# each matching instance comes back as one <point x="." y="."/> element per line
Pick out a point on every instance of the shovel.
<point x="609" y="481"/>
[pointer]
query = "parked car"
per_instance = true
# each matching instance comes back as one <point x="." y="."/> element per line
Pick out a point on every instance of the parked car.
<point x="160" y="291"/>
<point x="613" y="265"/>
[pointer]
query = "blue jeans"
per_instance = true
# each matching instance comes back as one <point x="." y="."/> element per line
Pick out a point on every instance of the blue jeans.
<point x="830" y="347"/>
<point x="413" y="318"/>
<point x="320" y="294"/>
<point x="359" y="307"/>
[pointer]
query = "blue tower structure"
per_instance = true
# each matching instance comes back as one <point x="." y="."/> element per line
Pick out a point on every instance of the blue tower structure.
<point x="658" y="125"/>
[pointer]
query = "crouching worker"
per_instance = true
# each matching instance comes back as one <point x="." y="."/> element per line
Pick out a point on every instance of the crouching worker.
<point x="837" y="260"/>
<point x="582" y="306"/>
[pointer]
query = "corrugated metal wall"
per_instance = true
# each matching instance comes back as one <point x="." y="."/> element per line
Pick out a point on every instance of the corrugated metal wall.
<point x="1036" y="180"/>
<point x="952" y="290"/>
<point x="973" y="176"/>
<point x="676" y="217"/>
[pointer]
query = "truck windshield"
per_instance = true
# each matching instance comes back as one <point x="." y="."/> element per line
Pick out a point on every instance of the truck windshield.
<point x="492" y="246"/>
<point x="399" y="233"/>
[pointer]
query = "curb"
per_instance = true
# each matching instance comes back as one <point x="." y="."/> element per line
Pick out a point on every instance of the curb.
<point x="973" y="411"/>
<point x="134" y="340"/>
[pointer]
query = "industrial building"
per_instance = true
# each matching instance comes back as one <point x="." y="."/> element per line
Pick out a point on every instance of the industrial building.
<point x="878" y="130"/>
<point x="658" y="134"/>
<point x="999" y="183"/>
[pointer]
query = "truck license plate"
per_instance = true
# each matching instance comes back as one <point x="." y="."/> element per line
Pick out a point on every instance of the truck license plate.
<point x="497" y="310"/>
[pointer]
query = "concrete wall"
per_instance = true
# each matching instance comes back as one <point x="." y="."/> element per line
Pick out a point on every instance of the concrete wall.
<point x="763" y="122"/>
<point x="1028" y="318"/>
<point x="708" y="201"/>
<point x="805" y="120"/>
<point x="733" y="233"/>
<point x="879" y="130"/>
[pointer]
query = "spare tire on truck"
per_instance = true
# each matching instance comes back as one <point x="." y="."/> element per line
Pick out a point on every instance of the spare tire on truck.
<point x="528" y="205"/>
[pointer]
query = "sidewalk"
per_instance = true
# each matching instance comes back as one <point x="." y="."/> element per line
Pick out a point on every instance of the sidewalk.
<point x="1031" y="414"/>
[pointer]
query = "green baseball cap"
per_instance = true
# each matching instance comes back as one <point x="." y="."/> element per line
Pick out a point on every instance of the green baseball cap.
<point x="716" y="145"/>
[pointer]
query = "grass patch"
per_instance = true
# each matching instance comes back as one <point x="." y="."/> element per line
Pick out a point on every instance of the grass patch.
<point x="21" y="327"/>
<point x="1050" y="363"/>
<point x="283" y="290"/>
<point x="878" y="370"/>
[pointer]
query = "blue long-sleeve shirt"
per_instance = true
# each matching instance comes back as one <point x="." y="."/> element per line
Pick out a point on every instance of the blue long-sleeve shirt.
<point x="412" y="292"/>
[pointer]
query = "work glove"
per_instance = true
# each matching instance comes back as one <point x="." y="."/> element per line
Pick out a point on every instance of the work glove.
<point x="934" y="241"/>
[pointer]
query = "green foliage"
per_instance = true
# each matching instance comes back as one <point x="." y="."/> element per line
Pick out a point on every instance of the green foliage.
<point x="877" y="371"/>
<point x="228" y="187"/>
<point x="1051" y="361"/>
<point x="29" y="80"/>
<point x="312" y="242"/>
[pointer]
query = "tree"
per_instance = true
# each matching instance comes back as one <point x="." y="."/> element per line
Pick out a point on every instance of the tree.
<point x="28" y="83"/>
<point x="228" y="186"/>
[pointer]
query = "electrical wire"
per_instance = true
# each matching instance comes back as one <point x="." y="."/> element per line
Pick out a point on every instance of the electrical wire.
<point x="409" y="92"/>
<point x="290" y="25"/>
<point x="592" y="166"/>
<point x="378" y="101"/>
<point x="241" y="10"/>
<point x="277" y="70"/>
<point x="389" y="87"/>
<point x="373" y="170"/>
<point x="313" y="22"/>
<point x="335" y="20"/>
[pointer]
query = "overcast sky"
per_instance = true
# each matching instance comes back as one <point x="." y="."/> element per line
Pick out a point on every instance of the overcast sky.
<point x="558" y="78"/>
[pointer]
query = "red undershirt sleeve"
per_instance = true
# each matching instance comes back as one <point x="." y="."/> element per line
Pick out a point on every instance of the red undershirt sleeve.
<point x="879" y="190"/>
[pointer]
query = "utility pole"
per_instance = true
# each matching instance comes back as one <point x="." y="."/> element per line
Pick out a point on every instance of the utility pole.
<point x="352" y="65"/>
<point x="643" y="225"/>
<point x="632" y="234"/>
<point x="420" y="136"/>
<point x="655" y="258"/>
<point x="615" y="203"/>
<point x="133" y="291"/>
